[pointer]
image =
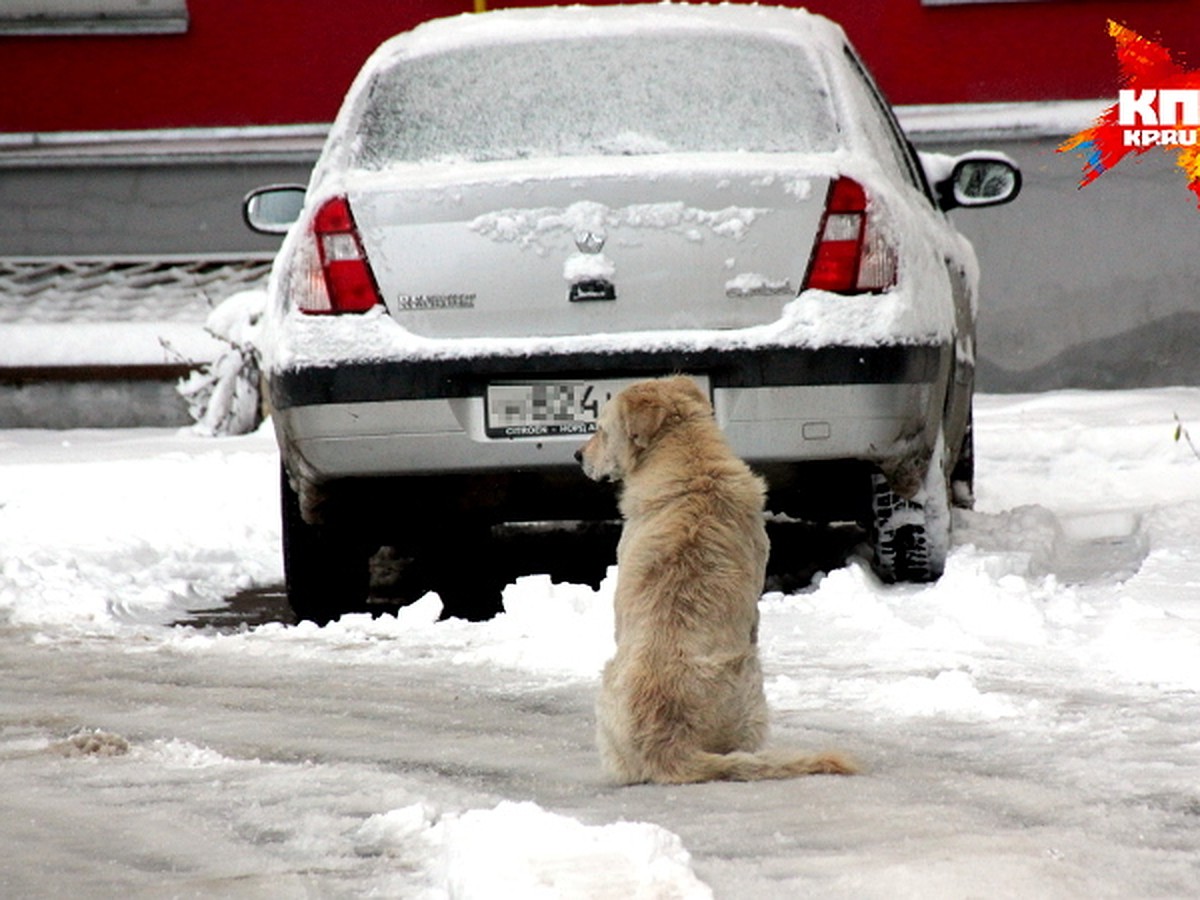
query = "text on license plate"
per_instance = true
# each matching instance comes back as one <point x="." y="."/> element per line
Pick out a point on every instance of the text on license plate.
<point x="547" y="408"/>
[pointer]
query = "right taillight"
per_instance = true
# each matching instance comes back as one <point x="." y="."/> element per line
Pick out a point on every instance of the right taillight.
<point x="852" y="255"/>
<point x="348" y="281"/>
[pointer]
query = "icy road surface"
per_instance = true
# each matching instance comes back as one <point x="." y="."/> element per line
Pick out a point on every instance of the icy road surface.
<point x="1030" y="725"/>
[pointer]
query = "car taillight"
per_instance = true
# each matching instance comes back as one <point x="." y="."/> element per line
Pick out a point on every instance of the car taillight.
<point x="349" y="282"/>
<point x="852" y="255"/>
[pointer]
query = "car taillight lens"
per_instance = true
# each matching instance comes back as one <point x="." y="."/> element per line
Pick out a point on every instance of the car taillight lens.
<point x="852" y="255"/>
<point x="349" y="283"/>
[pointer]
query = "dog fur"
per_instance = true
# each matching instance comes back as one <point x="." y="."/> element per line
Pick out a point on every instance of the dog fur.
<point x="682" y="700"/>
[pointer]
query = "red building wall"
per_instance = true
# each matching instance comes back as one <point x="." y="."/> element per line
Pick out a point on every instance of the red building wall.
<point x="270" y="62"/>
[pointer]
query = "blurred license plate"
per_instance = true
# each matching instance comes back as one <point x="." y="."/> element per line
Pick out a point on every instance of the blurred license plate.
<point x="547" y="408"/>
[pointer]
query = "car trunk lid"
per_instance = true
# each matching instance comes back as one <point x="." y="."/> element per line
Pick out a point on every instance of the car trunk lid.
<point x="607" y="251"/>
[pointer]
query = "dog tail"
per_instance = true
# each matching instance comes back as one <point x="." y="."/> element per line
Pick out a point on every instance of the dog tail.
<point x="763" y="766"/>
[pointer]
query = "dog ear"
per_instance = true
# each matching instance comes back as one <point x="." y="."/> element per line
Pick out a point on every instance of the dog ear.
<point x="688" y="397"/>
<point x="687" y="388"/>
<point x="644" y="415"/>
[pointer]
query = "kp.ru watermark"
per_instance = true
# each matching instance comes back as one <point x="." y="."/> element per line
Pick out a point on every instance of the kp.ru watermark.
<point x="1154" y="118"/>
<point x="1158" y="107"/>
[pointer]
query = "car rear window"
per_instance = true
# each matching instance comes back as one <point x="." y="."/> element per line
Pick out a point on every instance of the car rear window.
<point x="630" y="95"/>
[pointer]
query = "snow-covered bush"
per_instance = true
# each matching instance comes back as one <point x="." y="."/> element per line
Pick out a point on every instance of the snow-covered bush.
<point x="225" y="395"/>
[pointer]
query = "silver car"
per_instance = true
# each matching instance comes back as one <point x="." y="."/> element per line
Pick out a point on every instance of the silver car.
<point x="517" y="213"/>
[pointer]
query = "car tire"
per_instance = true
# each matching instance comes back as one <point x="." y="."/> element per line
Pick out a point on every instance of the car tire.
<point x="467" y="575"/>
<point x="911" y="537"/>
<point x="962" y="476"/>
<point x="326" y="570"/>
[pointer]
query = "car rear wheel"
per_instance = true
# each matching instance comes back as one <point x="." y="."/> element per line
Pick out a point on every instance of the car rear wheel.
<point x="326" y="569"/>
<point x="962" y="477"/>
<point x="911" y="537"/>
<point x="466" y="573"/>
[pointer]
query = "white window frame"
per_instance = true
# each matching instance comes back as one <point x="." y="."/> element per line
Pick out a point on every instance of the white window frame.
<point x="62" y="17"/>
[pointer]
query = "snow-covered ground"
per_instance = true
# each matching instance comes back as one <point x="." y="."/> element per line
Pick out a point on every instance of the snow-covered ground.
<point x="1030" y="725"/>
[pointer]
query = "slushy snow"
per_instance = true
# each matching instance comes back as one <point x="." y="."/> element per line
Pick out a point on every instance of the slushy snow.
<point x="1028" y="724"/>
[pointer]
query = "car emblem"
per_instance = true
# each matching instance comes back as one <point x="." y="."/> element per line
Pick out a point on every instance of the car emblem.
<point x="589" y="242"/>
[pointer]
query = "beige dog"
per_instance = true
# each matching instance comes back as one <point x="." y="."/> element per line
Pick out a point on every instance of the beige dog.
<point x="682" y="699"/>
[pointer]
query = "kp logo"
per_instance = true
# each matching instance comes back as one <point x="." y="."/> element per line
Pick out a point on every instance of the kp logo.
<point x="1158" y="107"/>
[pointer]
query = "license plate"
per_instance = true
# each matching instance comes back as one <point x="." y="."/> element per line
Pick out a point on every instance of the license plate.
<point x="548" y="408"/>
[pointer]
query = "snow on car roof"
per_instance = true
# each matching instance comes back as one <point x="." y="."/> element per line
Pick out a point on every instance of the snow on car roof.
<point x="556" y="23"/>
<point x="413" y="115"/>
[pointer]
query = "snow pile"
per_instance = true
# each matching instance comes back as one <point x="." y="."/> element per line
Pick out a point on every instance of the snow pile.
<point x="473" y="855"/>
<point x="556" y="632"/>
<point x="44" y="344"/>
<point x="532" y="227"/>
<point x="108" y="529"/>
<point x="815" y="319"/>
<point x="225" y="395"/>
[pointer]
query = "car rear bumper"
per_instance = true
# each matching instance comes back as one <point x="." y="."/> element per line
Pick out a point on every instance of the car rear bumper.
<point x="776" y="405"/>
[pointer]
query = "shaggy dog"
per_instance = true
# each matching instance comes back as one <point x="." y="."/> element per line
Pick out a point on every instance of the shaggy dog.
<point x="682" y="699"/>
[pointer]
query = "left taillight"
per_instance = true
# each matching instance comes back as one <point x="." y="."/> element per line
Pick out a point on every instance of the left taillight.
<point x="348" y="281"/>
<point x="853" y="254"/>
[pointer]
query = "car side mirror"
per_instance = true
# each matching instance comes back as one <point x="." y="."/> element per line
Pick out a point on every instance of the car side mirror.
<point x="273" y="209"/>
<point x="978" y="180"/>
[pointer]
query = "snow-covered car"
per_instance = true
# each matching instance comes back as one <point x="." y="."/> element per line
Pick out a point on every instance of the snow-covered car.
<point x="517" y="213"/>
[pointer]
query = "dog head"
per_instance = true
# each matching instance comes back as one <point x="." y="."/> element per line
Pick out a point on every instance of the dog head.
<point x="631" y="423"/>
